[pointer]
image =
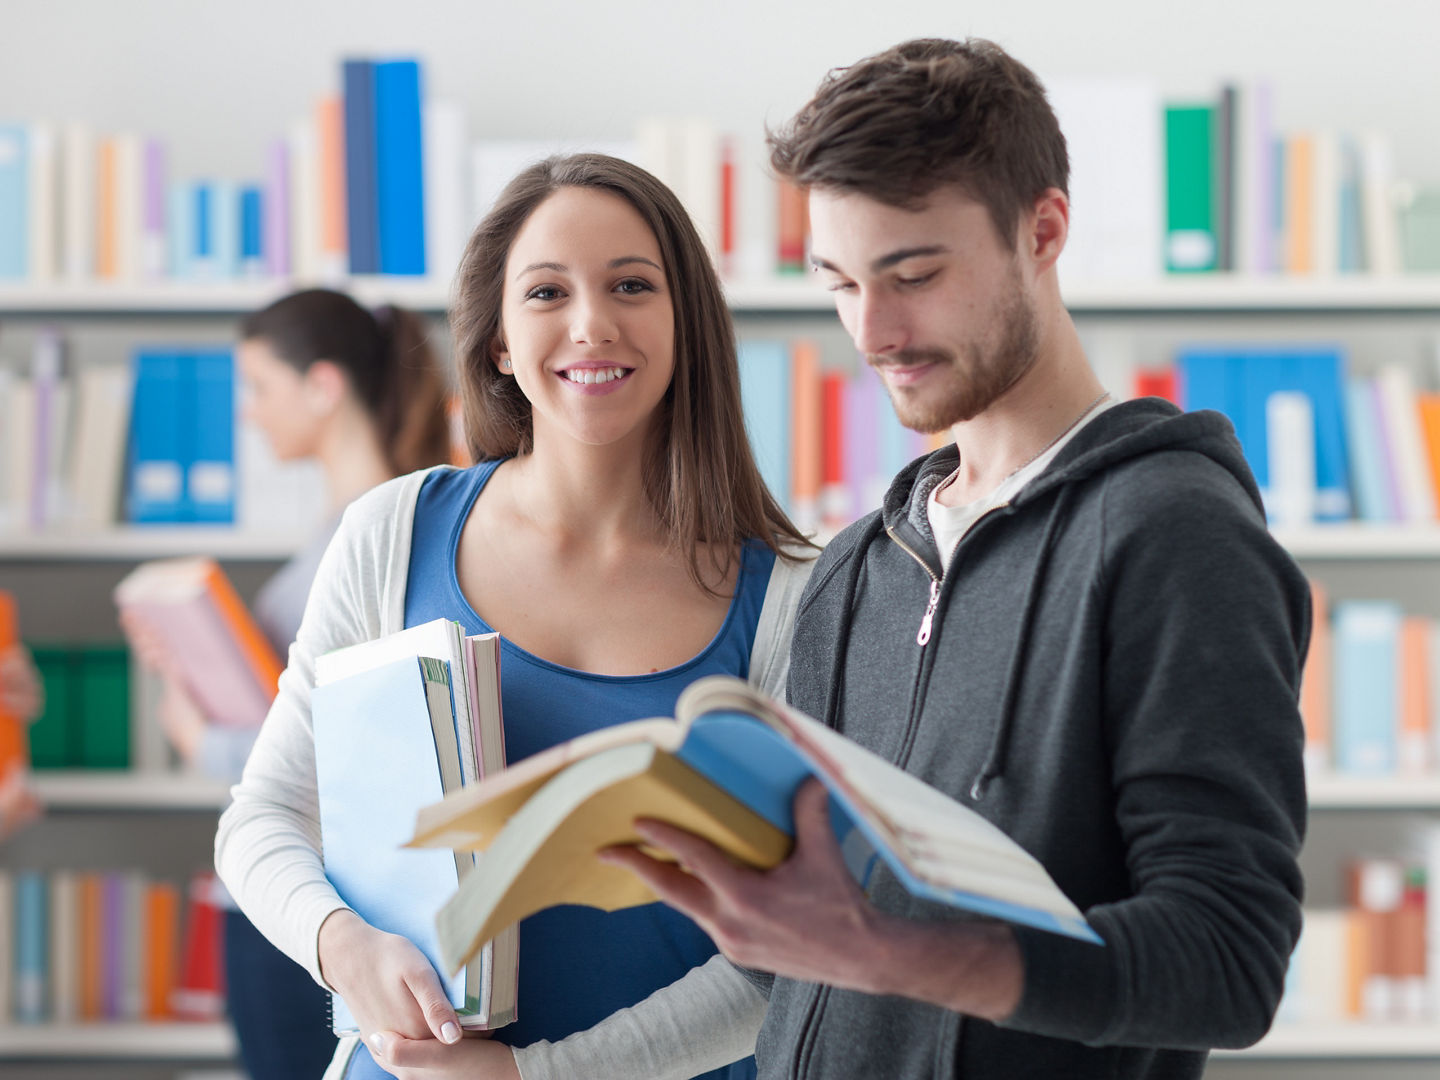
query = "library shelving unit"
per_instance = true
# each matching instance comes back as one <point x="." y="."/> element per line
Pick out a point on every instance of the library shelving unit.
<point x="1364" y="560"/>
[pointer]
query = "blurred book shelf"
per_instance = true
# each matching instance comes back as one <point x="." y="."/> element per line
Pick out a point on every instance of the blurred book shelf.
<point x="119" y="1040"/>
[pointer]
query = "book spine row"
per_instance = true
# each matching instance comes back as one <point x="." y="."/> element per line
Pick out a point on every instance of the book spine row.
<point x="1368" y="696"/>
<point x="1325" y="444"/>
<point x="158" y="441"/>
<point x="90" y="946"/>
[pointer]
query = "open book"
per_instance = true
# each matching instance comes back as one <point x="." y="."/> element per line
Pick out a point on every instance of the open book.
<point x="400" y="722"/>
<point x="727" y="768"/>
<point x="231" y="670"/>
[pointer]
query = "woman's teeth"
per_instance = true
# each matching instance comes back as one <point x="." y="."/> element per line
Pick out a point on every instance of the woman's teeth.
<point x="595" y="375"/>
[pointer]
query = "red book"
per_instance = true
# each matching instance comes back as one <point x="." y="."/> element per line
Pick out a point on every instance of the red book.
<point x="200" y="992"/>
<point x="727" y="207"/>
<point x="806" y="412"/>
<point x="794" y="226"/>
<point x="14" y="740"/>
<point x="1156" y="382"/>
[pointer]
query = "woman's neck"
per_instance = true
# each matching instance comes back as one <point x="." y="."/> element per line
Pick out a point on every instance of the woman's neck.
<point x="351" y="458"/>
<point x="589" y="494"/>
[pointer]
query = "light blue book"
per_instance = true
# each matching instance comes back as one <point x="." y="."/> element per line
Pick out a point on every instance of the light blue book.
<point x="765" y="397"/>
<point x="32" y="944"/>
<point x="224" y="207"/>
<point x="728" y="768"/>
<point x="1366" y="645"/>
<point x="399" y="167"/>
<point x="385" y="745"/>
<point x="14" y="201"/>
<point x="1367" y="452"/>
<point x="179" y="230"/>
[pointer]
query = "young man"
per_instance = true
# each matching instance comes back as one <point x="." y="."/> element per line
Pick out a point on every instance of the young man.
<point x="1073" y="620"/>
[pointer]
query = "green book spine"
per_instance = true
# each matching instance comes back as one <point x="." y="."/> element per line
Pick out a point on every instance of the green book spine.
<point x="1190" y="238"/>
<point x="103" y="717"/>
<point x="52" y="740"/>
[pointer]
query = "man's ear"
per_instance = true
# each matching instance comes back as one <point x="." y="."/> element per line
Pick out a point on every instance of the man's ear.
<point x="1046" y="229"/>
<point x="325" y="386"/>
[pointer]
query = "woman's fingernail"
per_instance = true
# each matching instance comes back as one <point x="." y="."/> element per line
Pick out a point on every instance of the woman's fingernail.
<point x="449" y="1033"/>
<point x="377" y="1043"/>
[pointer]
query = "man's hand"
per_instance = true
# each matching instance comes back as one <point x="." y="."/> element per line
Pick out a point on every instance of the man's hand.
<point x="385" y="980"/>
<point x="807" y="920"/>
<point x="425" y="1059"/>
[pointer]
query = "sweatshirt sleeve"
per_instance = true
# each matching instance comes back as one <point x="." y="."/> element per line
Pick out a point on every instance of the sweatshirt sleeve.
<point x="267" y="848"/>
<point x="1206" y="628"/>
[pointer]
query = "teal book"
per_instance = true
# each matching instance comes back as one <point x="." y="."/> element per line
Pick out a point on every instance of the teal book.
<point x="727" y="768"/>
<point x="385" y="746"/>
<point x="14" y="201"/>
<point x="765" y="398"/>
<point x="1366" y="645"/>
<point x="1191" y="240"/>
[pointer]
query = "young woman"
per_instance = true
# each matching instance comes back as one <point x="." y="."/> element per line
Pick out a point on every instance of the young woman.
<point x="616" y="533"/>
<point x="362" y="394"/>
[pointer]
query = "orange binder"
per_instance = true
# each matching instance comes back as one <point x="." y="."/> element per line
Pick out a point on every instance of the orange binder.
<point x="1315" y="685"/>
<point x="1414" y="756"/>
<point x="107" y="213"/>
<point x="806" y="419"/>
<point x="14" y="738"/>
<point x="1300" y="204"/>
<point x="330" y="140"/>
<point x="162" y="937"/>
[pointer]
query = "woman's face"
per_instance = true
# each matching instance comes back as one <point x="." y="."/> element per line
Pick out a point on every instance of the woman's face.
<point x="278" y="401"/>
<point x="587" y="323"/>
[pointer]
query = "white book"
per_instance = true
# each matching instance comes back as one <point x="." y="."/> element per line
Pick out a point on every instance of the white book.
<point x="133" y="946"/>
<point x="77" y="208"/>
<point x="64" y="947"/>
<point x="660" y="151"/>
<point x="1114" y="131"/>
<point x="1407" y="444"/>
<point x="757" y="204"/>
<point x="1254" y="178"/>
<point x="495" y="162"/>
<point x="305" y="261"/>
<point x="96" y="467"/>
<point x="44" y="203"/>
<point x="1326" y="204"/>
<point x="447" y="217"/>
<point x="129" y="206"/>
<point x="150" y="750"/>
<point x="1290" y="444"/>
<point x="18" y="457"/>
<point x="700" y="181"/>
<point x="1377" y="204"/>
<point x="1320" y="962"/>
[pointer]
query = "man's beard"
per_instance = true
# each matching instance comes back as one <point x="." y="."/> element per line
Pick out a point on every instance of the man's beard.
<point x="974" y="385"/>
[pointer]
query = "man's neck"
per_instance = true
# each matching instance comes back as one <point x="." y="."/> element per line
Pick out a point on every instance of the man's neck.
<point x="1031" y="416"/>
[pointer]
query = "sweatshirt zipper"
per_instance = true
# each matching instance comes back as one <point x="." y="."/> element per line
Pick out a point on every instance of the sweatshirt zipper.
<point x="922" y="636"/>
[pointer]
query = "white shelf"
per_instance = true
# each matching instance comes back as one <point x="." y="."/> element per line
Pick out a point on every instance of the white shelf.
<point x="119" y="1040"/>
<point x="803" y="293"/>
<point x="1356" y="540"/>
<point x="1332" y="792"/>
<point x="147" y="542"/>
<point x="1344" y="1040"/>
<point x="120" y="789"/>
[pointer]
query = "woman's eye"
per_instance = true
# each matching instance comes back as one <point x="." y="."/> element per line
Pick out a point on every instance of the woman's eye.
<point x="543" y="292"/>
<point x="634" y="287"/>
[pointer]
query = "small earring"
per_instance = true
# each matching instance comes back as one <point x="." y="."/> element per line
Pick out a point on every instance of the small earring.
<point x="506" y="362"/>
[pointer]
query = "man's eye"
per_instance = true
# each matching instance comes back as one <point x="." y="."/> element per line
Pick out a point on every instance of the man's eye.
<point x="915" y="282"/>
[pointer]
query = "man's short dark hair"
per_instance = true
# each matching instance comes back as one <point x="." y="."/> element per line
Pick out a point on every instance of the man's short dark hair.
<point x="900" y="124"/>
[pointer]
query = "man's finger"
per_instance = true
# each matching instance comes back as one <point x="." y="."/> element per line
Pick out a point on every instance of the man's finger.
<point x="671" y="884"/>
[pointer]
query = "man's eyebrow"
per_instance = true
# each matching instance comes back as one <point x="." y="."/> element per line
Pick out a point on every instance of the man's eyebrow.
<point x="885" y="262"/>
<point x="560" y="268"/>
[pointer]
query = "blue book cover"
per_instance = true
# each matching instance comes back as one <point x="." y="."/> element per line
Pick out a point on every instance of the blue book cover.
<point x="1366" y="645"/>
<point x="1320" y="373"/>
<point x="1214" y="378"/>
<point x="399" y="167"/>
<point x="202" y="228"/>
<point x="14" y="201"/>
<point x="32" y="946"/>
<point x="252" y="227"/>
<point x="161" y="437"/>
<point x="361" y="199"/>
<point x="1367" y="452"/>
<point x="765" y="398"/>
<point x="376" y="765"/>
<point x="1262" y="374"/>
<point x="210" y="477"/>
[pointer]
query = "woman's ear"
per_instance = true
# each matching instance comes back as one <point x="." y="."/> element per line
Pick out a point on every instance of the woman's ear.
<point x="499" y="356"/>
<point x="325" y="386"/>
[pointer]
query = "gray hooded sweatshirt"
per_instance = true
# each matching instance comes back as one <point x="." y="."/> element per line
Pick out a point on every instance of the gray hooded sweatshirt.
<point x="1111" y="678"/>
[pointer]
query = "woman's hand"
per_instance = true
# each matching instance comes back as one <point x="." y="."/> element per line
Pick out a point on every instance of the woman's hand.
<point x="426" y="1059"/>
<point x="19" y="805"/>
<point x="385" y="980"/>
<point x="21" y="692"/>
<point x="182" y="720"/>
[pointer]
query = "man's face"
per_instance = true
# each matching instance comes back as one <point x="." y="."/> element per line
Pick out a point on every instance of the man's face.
<point x="932" y="298"/>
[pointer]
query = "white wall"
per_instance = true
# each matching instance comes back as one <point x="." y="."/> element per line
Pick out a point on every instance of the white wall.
<point x="217" y="78"/>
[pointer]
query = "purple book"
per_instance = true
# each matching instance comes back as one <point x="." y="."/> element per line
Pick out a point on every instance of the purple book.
<point x="46" y="371"/>
<point x="277" y="210"/>
<point x="1394" y="500"/>
<point x="1262" y="154"/>
<point x="862" y="440"/>
<point x="153" y="251"/>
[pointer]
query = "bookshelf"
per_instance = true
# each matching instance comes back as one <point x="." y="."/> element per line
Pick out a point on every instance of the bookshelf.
<point x="71" y="791"/>
<point x="131" y="544"/>
<point x="118" y="1042"/>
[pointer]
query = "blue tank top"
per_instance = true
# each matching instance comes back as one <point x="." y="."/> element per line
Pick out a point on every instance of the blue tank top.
<point x="577" y="964"/>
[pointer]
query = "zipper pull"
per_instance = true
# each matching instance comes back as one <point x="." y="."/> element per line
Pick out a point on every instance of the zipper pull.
<point x="924" y="635"/>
